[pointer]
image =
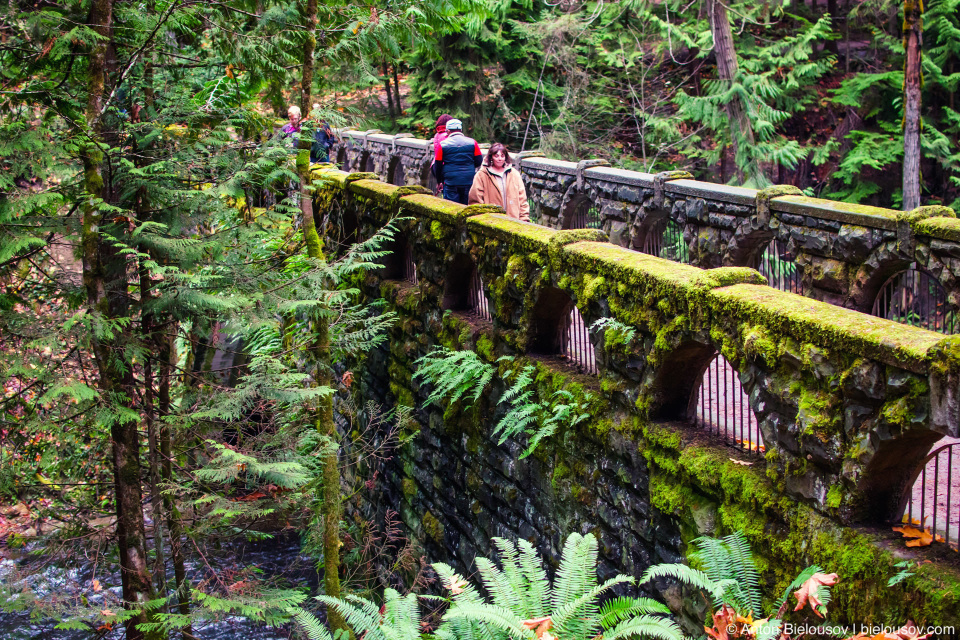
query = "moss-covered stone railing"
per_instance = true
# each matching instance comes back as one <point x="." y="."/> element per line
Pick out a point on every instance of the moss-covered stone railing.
<point x="844" y="252"/>
<point x="848" y="405"/>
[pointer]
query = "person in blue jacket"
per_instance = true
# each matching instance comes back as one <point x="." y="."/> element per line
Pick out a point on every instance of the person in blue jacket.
<point x="457" y="160"/>
<point x="323" y="139"/>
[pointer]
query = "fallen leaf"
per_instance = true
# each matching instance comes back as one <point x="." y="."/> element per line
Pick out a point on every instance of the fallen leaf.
<point x="455" y="584"/>
<point x="723" y="620"/>
<point x="540" y="626"/>
<point x="347" y="379"/>
<point x="107" y="612"/>
<point x="917" y="537"/>
<point x="807" y="593"/>
<point x="96" y="586"/>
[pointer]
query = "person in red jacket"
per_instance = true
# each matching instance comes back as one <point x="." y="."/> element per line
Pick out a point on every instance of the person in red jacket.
<point x="440" y="134"/>
<point x="456" y="162"/>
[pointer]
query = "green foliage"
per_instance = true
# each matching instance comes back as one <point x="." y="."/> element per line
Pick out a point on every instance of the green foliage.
<point x="519" y="590"/>
<point x="615" y="332"/>
<point x="903" y="573"/>
<point x="537" y="419"/>
<point x="454" y="375"/>
<point x="397" y="619"/>
<point x="729" y="577"/>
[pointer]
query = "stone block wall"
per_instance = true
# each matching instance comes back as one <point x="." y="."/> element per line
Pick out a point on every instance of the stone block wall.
<point x="848" y="404"/>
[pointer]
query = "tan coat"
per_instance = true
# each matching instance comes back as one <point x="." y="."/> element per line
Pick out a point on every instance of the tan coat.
<point x="487" y="189"/>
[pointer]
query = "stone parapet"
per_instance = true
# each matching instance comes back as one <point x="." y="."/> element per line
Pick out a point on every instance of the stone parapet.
<point x="843" y="253"/>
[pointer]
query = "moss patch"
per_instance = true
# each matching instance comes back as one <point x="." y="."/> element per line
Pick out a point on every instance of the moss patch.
<point x="824" y="324"/>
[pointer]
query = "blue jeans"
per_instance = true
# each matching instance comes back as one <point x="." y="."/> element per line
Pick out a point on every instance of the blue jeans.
<point x="456" y="193"/>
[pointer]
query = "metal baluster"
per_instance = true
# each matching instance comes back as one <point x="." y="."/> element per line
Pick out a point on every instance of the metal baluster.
<point x="923" y="499"/>
<point x="699" y="417"/>
<point x="949" y="495"/>
<point x="716" y="390"/>
<point x="936" y="488"/>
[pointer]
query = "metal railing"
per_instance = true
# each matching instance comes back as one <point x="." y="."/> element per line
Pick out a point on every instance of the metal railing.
<point x="723" y="407"/>
<point x="780" y="271"/>
<point x="665" y="240"/>
<point x="575" y="343"/>
<point x="915" y="297"/>
<point x="586" y="216"/>
<point x="477" y="299"/>
<point x="935" y="496"/>
<point x="409" y="266"/>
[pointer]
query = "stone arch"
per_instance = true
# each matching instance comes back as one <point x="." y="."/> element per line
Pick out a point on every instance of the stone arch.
<point x="547" y="320"/>
<point x="398" y="263"/>
<point x="883" y="262"/>
<point x="461" y="270"/>
<point x="698" y="386"/>
<point x="917" y="297"/>
<point x="648" y="227"/>
<point x="888" y="476"/>
<point x="750" y="238"/>
<point x="427" y="178"/>
<point x="675" y="386"/>
<point x="366" y="162"/>
<point x="933" y="495"/>
<point x="776" y="262"/>
<point x="343" y="159"/>
<point x="575" y="208"/>
<point x="395" y="171"/>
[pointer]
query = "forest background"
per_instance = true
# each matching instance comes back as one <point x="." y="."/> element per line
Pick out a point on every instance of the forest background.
<point x="150" y="217"/>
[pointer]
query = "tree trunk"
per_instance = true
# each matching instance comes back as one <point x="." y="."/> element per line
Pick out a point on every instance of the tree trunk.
<point x="741" y="131"/>
<point x="149" y="416"/>
<point x="309" y="48"/>
<point x="834" y="10"/>
<point x="912" y="44"/>
<point x="167" y="357"/>
<point x="396" y="91"/>
<point x="386" y="86"/>
<point x="330" y="501"/>
<point x="105" y="281"/>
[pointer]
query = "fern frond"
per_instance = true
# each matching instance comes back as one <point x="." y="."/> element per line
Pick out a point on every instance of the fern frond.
<point x="646" y="627"/>
<point x="498" y="617"/>
<point x="455" y="375"/>
<point x="311" y="625"/>
<point x="622" y="608"/>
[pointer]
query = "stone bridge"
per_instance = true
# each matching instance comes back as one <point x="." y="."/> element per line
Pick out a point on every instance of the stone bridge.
<point x="845" y="405"/>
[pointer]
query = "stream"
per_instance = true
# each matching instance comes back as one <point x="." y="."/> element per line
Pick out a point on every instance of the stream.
<point x="277" y="558"/>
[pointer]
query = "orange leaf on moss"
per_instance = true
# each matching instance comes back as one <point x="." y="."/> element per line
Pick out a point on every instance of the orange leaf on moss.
<point x="807" y="593"/>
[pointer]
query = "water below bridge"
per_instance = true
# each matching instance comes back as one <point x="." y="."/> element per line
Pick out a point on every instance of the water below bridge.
<point x="277" y="560"/>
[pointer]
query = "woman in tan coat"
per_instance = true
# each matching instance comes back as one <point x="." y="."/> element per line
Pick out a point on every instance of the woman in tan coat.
<point x="497" y="182"/>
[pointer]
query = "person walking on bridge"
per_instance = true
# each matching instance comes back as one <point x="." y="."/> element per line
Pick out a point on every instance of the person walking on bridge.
<point x="499" y="183"/>
<point x="440" y="134"/>
<point x="456" y="161"/>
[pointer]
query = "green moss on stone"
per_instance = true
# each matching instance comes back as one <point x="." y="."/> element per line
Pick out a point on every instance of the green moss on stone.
<point x="827" y="325"/>
<point x="834" y="496"/>
<point x="485" y="348"/>
<point x="817" y="414"/>
<point x="431" y="207"/>
<point x="433" y="527"/>
<point x="941" y="228"/>
<point x="409" y="488"/>
<point x="522" y="236"/>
